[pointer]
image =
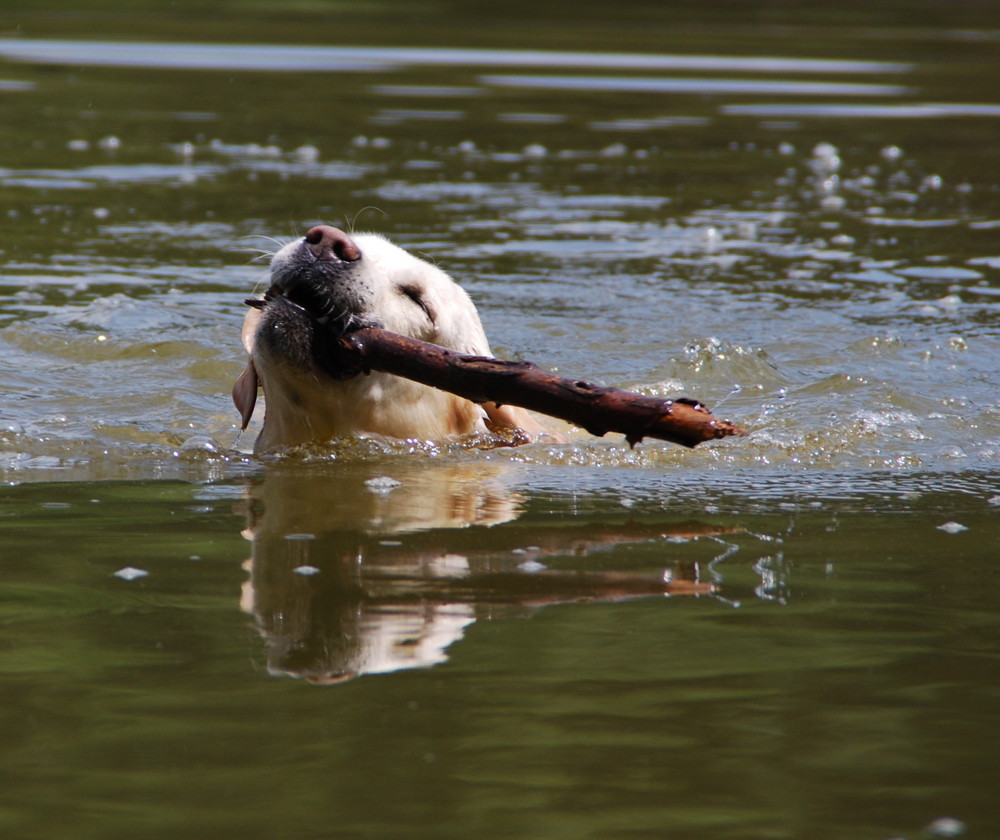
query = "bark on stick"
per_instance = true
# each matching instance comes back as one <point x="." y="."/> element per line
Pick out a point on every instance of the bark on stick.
<point x="481" y="379"/>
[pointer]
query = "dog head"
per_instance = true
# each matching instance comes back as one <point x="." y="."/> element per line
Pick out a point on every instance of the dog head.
<point x="328" y="283"/>
<point x="346" y="283"/>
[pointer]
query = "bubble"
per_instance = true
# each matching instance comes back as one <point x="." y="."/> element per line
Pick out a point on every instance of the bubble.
<point x="958" y="343"/>
<point x="946" y="827"/>
<point x="382" y="485"/>
<point x="711" y="235"/>
<point x="307" y="153"/>
<point x="200" y="443"/>
<point x="131" y="573"/>
<point x="825" y="158"/>
<point x="531" y="566"/>
<point x="306" y="570"/>
<point x="830" y="185"/>
<point x="891" y="153"/>
<point x="953" y="527"/>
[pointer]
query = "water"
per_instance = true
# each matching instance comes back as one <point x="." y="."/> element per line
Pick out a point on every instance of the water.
<point x="788" y="634"/>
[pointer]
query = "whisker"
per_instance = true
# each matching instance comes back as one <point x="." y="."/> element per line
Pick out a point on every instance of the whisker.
<point x="278" y="242"/>
<point x="352" y="223"/>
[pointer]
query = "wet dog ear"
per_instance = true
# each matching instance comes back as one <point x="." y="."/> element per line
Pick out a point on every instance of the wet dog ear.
<point x="245" y="393"/>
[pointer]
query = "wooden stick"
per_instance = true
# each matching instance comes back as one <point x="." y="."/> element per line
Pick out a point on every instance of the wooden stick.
<point x="481" y="379"/>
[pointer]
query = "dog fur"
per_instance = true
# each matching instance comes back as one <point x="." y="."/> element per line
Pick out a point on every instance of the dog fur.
<point x="327" y="283"/>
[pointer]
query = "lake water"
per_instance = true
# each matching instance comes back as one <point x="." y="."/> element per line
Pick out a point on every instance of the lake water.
<point x="792" y="214"/>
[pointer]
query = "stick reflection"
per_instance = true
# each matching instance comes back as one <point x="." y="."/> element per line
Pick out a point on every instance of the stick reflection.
<point x="353" y="572"/>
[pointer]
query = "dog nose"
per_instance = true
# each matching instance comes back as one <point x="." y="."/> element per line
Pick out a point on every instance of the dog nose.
<point x="329" y="243"/>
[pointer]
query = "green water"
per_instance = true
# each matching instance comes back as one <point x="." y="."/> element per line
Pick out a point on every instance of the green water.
<point x="789" y="211"/>
<point x="841" y="681"/>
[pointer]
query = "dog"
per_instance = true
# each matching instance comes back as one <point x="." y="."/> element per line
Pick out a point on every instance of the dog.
<point x="328" y="283"/>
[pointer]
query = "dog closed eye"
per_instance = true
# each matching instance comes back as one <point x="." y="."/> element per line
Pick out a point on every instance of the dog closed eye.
<point x="318" y="291"/>
<point x="414" y="294"/>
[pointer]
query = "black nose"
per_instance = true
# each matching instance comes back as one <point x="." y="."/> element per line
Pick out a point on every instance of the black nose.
<point x="329" y="243"/>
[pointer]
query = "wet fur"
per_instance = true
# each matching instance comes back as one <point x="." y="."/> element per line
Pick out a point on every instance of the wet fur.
<point x="313" y="296"/>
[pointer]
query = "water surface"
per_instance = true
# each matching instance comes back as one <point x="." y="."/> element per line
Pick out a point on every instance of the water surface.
<point x="789" y="634"/>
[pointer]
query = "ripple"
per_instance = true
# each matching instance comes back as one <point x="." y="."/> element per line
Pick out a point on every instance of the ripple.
<point x="632" y="84"/>
<point x="942" y="273"/>
<point x="347" y="59"/>
<point x="907" y="111"/>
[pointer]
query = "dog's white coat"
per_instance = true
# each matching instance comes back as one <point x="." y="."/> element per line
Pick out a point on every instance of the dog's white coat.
<point x="306" y="406"/>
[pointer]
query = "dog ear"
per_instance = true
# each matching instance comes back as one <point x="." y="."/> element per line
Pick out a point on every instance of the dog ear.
<point x="245" y="393"/>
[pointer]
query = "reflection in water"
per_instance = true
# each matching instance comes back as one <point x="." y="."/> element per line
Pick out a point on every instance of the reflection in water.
<point x="355" y="573"/>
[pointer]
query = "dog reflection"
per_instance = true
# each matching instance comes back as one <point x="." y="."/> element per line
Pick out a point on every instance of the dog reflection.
<point x="356" y="573"/>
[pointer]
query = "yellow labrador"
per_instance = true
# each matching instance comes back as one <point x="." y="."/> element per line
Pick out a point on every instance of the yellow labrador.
<point x="328" y="283"/>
